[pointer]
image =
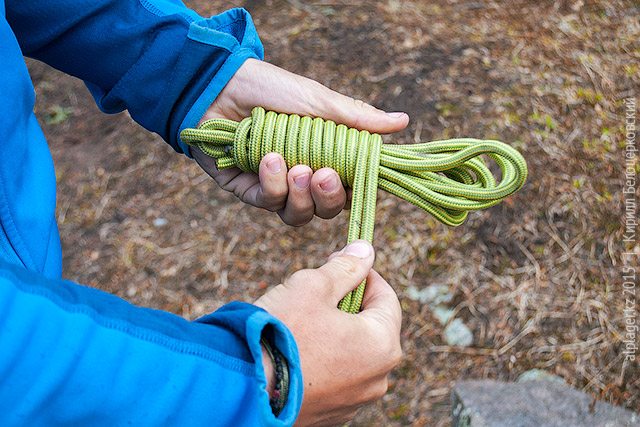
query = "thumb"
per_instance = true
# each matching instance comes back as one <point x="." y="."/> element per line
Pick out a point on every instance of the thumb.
<point x="346" y="269"/>
<point x="291" y="93"/>
<point x="332" y="105"/>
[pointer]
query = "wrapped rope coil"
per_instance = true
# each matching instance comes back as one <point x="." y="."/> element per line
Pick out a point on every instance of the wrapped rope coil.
<point x="445" y="178"/>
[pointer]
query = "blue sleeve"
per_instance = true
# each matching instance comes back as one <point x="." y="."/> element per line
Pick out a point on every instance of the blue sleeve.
<point x="73" y="355"/>
<point x="156" y="58"/>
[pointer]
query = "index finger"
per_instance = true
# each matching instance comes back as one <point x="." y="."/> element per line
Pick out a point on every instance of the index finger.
<point x="381" y="301"/>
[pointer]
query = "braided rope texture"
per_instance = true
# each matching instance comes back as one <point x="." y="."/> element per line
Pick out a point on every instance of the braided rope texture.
<point x="445" y="178"/>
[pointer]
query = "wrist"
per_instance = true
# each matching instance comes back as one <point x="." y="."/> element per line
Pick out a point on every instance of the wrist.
<point x="269" y="371"/>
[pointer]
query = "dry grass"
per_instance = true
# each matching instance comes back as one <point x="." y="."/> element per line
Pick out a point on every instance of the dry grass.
<point x="537" y="278"/>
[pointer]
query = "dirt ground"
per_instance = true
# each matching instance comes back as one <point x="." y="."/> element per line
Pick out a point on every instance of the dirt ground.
<point x="538" y="278"/>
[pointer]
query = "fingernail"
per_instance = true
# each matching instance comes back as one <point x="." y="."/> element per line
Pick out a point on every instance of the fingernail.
<point x="396" y="115"/>
<point x="359" y="248"/>
<point x="273" y="165"/>
<point x="301" y="181"/>
<point x="329" y="184"/>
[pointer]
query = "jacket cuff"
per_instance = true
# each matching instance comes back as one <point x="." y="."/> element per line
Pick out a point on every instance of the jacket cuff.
<point x="233" y="32"/>
<point x="250" y="323"/>
<point x="283" y="339"/>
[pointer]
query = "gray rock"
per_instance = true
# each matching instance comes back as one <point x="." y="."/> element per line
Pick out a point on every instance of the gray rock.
<point x="443" y="314"/>
<point x="432" y="295"/>
<point x="539" y="375"/>
<point x="160" y="222"/>
<point x="488" y="403"/>
<point x="457" y="333"/>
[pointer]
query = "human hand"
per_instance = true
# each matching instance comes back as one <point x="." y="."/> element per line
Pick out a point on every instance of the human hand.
<point x="300" y="193"/>
<point x="345" y="357"/>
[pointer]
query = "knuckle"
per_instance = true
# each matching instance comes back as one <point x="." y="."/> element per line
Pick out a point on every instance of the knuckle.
<point x="376" y="390"/>
<point x="313" y="281"/>
<point x="298" y="210"/>
<point x="279" y="288"/>
<point x="302" y="216"/>
<point x="277" y="195"/>
<point x="396" y="355"/>
<point x="341" y="419"/>
<point x="326" y="214"/>
<point x="272" y="200"/>
<point x="279" y="291"/>
<point x="302" y="276"/>
<point x="239" y="192"/>
<point x="271" y="205"/>
<point x="364" y="109"/>
<point x="294" y="220"/>
<point x="389" y="352"/>
<point x="329" y="208"/>
<point x="351" y="415"/>
<point x="359" y="103"/>
<point x="393" y="354"/>
<point x="381" y="388"/>
<point x="345" y="265"/>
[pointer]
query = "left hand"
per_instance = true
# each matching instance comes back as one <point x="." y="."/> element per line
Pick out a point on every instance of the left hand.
<point x="299" y="194"/>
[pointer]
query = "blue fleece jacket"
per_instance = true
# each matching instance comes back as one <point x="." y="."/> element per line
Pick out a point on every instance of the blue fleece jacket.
<point x="72" y="355"/>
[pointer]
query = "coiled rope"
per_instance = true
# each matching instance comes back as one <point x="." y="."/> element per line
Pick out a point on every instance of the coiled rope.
<point x="445" y="178"/>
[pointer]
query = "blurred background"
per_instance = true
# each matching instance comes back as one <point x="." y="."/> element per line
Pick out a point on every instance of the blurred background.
<point x="534" y="282"/>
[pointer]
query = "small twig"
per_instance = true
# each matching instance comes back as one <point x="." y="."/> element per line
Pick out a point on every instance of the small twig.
<point x="464" y="350"/>
<point x="531" y="258"/>
<point x="575" y="249"/>
<point x="566" y="347"/>
<point x="160" y="250"/>
<point x="302" y="6"/>
<point x="439" y="392"/>
<point x="418" y="134"/>
<point x="380" y="77"/>
<point x="554" y="235"/>
<point x="528" y="327"/>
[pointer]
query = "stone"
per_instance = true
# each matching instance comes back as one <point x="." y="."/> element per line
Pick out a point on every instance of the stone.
<point x="432" y="295"/>
<point x="535" y="403"/>
<point x="539" y="375"/>
<point x="160" y="222"/>
<point x="457" y="333"/>
<point x="443" y="314"/>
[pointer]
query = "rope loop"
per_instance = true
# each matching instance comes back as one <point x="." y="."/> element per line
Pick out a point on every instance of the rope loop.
<point x="299" y="140"/>
<point x="445" y="178"/>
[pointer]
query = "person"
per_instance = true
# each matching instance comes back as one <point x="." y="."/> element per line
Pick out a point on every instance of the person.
<point x="76" y="355"/>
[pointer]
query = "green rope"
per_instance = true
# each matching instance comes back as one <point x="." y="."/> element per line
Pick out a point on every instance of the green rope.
<point x="445" y="178"/>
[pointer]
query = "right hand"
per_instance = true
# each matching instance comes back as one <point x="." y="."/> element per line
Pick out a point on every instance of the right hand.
<point x="345" y="358"/>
